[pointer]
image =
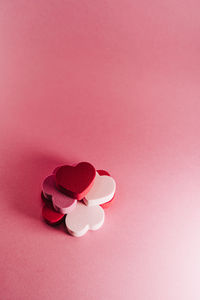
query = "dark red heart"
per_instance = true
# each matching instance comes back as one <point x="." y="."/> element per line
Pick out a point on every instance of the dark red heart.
<point x="50" y="215"/>
<point x="75" y="181"/>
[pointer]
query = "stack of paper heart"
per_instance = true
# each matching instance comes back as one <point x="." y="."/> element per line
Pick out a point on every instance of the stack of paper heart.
<point x="79" y="195"/>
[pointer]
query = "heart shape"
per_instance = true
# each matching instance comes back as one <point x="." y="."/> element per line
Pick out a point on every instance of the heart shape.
<point x="102" y="191"/>
<point x="76" y="181"/>
<point x="84" y="218"/>
<point x="50" y="215"/>
<point x="107" y="204"/>
<point x="62" y="203"/>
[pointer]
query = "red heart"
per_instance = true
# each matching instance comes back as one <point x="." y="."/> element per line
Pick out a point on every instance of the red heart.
<point x="75" y="181"/>
<point x="50" y="215"/>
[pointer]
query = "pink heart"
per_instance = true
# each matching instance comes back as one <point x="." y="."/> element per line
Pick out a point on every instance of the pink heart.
<point x="107" y="204"/>
<point x="61" y="202"/>
<point x="102" y="191"/>
<point x="84" y="218"/>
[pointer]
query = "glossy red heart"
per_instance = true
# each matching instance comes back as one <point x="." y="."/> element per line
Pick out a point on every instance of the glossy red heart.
<point x="75" y="181"/>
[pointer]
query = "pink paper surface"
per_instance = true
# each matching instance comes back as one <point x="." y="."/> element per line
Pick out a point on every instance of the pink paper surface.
<point x="115" y="83"/>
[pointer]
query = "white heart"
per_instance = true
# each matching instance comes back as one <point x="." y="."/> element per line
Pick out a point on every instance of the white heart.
<point x="102" y="191"/>
<point x="84" y="218"/>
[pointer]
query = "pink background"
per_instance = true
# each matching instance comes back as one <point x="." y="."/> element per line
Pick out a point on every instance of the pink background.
<point x="115" y="83"/>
